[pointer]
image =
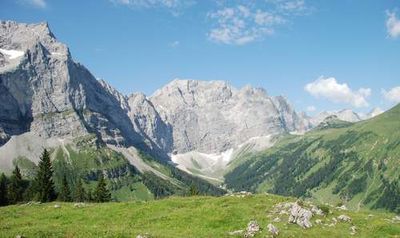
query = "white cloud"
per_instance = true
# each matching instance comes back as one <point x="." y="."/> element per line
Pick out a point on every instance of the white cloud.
<point x="239" y="24"/>
<point x="291" y="6"/>
<point x="311" y="109"/>
<point x="392" y="24"/>
<point x="175" y="6"/>
<point x="35" y="3"/>
<point x="393" y="95"/>
<point x="330" y="89"/>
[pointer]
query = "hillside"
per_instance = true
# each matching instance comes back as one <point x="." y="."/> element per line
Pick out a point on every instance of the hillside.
<point x="131" y="174"/>
<point x="182" y="217"/>
<point x="356" y="164"/>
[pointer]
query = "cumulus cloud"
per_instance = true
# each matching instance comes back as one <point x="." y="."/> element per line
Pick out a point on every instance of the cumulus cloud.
<point x="393" y="95"/>
<point x="330" y="89"/>
<point x="392" y="25"/>
<point x="247" y="21"/>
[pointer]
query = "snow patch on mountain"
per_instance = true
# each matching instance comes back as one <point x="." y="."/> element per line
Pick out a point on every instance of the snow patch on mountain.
<point x="12" y="54"/>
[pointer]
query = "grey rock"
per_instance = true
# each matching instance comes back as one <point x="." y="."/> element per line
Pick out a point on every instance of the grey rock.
<point x="344" y="218"/>
<point x="252" y="229"/>
<point x="344" y="115"/>
<point x="48" y="93"/>
<point x="213" y="116"/>
<point x="273" y="230"/>
<point x="300" y="216"/>
<point x="353" y="230"/>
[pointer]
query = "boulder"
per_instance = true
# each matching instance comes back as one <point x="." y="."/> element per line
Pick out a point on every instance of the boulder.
<point x="273" y="230"/>
<point x="252" y="229"/>
<point x="300" y="216"/>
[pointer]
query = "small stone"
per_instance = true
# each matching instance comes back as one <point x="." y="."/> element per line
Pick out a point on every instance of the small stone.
<point x="273" y="230"/>
<point x="79" y="205"/>
<point x="142" y="236"/>
<point x="277" y="219"/>
<point x="236" y="233"/>
<point x="353" y="230"/>
<point x="57" y="206"/>
<point x="344" y="218"/>
<point x="343" y="208"/>
<point x="315" y="210"/>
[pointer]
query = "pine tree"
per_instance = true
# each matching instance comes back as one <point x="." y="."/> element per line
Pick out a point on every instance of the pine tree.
<point x="65" y="193"/>
<point x="79" y="192"/>
<point x="89" y="196"/>
<point x="3" y="190"/>
<point x="44" y="180"/>
<point x="102" y="194"/>
<point x="193" y="191"/>
<point x="15" y="189"/>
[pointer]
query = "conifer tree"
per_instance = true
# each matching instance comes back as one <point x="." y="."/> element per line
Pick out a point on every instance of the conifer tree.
<point x="65" y="193"/>
<point x="44" y="180"/>
<point x="3" y="190"/>
<point x="89" y="196"/>
<point x="79" y="192"/>
<point x="15" y="189"/>
<point x="102" y="194"/>
<point x="193" y="191"/>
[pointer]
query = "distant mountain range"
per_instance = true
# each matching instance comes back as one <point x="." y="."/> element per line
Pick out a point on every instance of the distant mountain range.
<point x="204" y="128"/>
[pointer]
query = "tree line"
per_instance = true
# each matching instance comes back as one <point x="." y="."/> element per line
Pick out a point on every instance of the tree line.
<point x="15" y="189"/>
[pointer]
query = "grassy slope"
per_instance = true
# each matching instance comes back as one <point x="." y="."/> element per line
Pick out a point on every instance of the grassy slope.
<point x="85" y="160"/>
<point x="177" y="217"/>
<point x="362" y="157"/>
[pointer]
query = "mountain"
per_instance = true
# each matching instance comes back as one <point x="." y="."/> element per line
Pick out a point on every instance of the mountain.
<point x="355" y="163"/>
<point x="50" y="101"/>
<point x="344" y="115"/>
<point x="213" y="116"/>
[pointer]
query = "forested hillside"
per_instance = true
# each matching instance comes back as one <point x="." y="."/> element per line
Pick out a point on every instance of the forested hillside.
<point x="356" y="164"/>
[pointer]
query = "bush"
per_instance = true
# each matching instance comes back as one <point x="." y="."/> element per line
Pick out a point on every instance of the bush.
<point x="325" y="209"/>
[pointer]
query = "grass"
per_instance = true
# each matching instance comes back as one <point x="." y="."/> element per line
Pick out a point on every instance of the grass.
<point x="178" y="217"/>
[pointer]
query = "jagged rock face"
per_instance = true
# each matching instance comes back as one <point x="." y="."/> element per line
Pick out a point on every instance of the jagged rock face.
<point x="148" y="122"/>
<point x="214" y="116"/>
<point x="45" y="91"/>
<point x="144" y="118"/>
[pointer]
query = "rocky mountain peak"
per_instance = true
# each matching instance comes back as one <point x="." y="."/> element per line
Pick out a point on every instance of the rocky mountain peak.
<point x="213" y="116"/>
<point x="22" y="37"/>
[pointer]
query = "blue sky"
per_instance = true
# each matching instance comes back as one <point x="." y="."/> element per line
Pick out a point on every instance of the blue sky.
<point x="321" y="55"/>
